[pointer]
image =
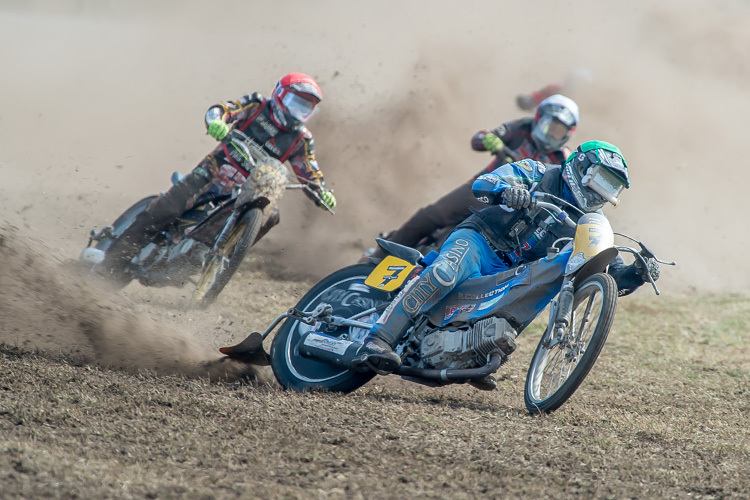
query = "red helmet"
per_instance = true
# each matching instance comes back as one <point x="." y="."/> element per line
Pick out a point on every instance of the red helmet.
<point x="295" y="98"/>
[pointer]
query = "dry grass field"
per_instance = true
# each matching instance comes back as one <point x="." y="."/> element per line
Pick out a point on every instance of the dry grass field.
<point x="664" y="413"/>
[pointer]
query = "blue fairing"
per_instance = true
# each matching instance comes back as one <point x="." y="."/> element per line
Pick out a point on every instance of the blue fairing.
<point x="518" y="295"/>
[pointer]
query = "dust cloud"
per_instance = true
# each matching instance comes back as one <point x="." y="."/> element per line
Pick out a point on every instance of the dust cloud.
<point x="102" y="100"/>
<point x="50" y="305"/>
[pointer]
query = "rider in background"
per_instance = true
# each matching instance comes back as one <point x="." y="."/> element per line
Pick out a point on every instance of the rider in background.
<point x="503" y="235"/>
<point x="278" y="123"/>
<point x="527" y="102"/>
<point x="541" y="137"/>
<point x="571" y="86"/>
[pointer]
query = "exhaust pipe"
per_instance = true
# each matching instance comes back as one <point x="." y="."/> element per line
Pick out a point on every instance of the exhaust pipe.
<point x="453" y="375"/>
<point x="331" y="350"/>
<point x="339" y="352"/>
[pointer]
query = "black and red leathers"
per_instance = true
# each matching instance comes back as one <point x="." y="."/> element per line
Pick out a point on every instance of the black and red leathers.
<point x="251" y="114"/>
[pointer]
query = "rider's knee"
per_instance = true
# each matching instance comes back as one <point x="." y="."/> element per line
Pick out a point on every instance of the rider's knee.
<point x="444" y="273"/>
<point x="273" y="219"/>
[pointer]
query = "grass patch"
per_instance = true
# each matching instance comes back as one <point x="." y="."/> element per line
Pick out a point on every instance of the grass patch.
<point x="664" y="414"/>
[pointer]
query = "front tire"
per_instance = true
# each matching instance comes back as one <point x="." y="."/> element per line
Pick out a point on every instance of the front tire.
<point x="221" y="267"/>
<point x="346" y="292"/>
<point x="557" y="370"/>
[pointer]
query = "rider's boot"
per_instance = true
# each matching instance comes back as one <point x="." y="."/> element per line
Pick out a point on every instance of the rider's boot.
<point x="380" y="352"/>
<point x="486" y="383"/>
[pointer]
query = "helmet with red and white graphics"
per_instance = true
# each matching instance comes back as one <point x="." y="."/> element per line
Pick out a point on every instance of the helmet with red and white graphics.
<point x="295" y="99"/>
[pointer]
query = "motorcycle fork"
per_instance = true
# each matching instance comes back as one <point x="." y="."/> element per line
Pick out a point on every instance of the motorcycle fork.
<point x="223" y="238"/>
<point x="560" y="315"/>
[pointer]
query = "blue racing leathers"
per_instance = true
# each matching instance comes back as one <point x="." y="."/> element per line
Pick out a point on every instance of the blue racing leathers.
<point x="465" y="254"/>
<point x="489" y="242"/>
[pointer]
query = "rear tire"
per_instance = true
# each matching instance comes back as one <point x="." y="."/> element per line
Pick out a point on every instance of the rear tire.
<point x="124" y="221"/>
<point x="557" y="371"/>
<point x="220" y="269"/>
<point x="346" y="292"/>
<point x="118" y="278"/>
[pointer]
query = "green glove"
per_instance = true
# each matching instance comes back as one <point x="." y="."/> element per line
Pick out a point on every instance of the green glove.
<point x="327" y="199"/>
<point x="492" y="143"/>
<point x="218" y="129"/>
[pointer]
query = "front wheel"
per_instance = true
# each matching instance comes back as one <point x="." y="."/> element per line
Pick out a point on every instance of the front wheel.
<point x="559" y="365"/>
<point x="347" y="293"/>
<point x="221" y="266"/>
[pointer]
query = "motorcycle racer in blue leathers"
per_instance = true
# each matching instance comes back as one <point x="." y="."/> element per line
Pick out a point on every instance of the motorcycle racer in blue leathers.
<point x="504" y="235"/>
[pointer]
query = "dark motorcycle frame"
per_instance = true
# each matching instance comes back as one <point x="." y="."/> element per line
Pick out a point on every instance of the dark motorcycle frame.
<point x="213" y="237"/>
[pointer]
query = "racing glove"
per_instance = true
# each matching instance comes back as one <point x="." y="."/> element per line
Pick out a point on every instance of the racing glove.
<point x="492" y="143"/>
<point x="327" y="199"/>
<point x="516" y="197"/>
<point x="651" y="268"/>
<point x="218" y="129"/>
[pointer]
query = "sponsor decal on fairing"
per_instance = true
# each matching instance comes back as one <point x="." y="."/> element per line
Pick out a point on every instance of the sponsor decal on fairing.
<point x="451" y="311"/>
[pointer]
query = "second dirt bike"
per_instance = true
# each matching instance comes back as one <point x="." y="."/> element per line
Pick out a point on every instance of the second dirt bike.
<point x="471" y="332"/>
<point x="212" y="238"/>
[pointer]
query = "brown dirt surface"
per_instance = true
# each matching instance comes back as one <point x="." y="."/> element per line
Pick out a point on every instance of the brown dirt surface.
<point x="124" y="395"/>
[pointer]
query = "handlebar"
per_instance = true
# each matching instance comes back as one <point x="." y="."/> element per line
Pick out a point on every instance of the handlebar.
<point x="642" y="254"/>
<point x="252" y="153"/>
<point x="562" y="215"/>
<point x="312" y="191"/>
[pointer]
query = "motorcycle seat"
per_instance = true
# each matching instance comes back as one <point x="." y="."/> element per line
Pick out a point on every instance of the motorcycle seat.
<point x="408" y="254"/>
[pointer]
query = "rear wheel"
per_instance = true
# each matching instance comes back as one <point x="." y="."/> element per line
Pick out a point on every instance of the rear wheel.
<point x="221" y="267"/>
<point x="89" y="257"/>
<point x="347" y="293"/>
<point x="123" y="222"/>
<point x="560" y="365"/>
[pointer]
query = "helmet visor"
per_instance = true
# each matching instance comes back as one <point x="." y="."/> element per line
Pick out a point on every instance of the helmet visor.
<point x="551" y="132"/>
<point x="604" y="183"/>
<point x="556" y="129"/>
<point x="298" y="106"/>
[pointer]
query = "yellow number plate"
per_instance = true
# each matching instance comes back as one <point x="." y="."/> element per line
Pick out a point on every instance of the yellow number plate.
<point x="389" y="274"/>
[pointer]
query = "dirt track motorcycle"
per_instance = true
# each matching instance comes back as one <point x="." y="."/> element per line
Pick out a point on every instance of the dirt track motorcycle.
<point x="212" y="238"/>
<point x="466" y="336"/>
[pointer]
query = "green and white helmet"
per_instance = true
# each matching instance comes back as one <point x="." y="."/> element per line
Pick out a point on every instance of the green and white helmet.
<point x="596" y="173"/>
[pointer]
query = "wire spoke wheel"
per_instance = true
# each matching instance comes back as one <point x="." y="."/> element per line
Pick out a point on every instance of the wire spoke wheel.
<point x="561" y="362"/>
<point x="222" y="265"/>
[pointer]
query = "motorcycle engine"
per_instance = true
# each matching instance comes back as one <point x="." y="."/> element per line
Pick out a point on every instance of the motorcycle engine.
<point x="466" y="347"/>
